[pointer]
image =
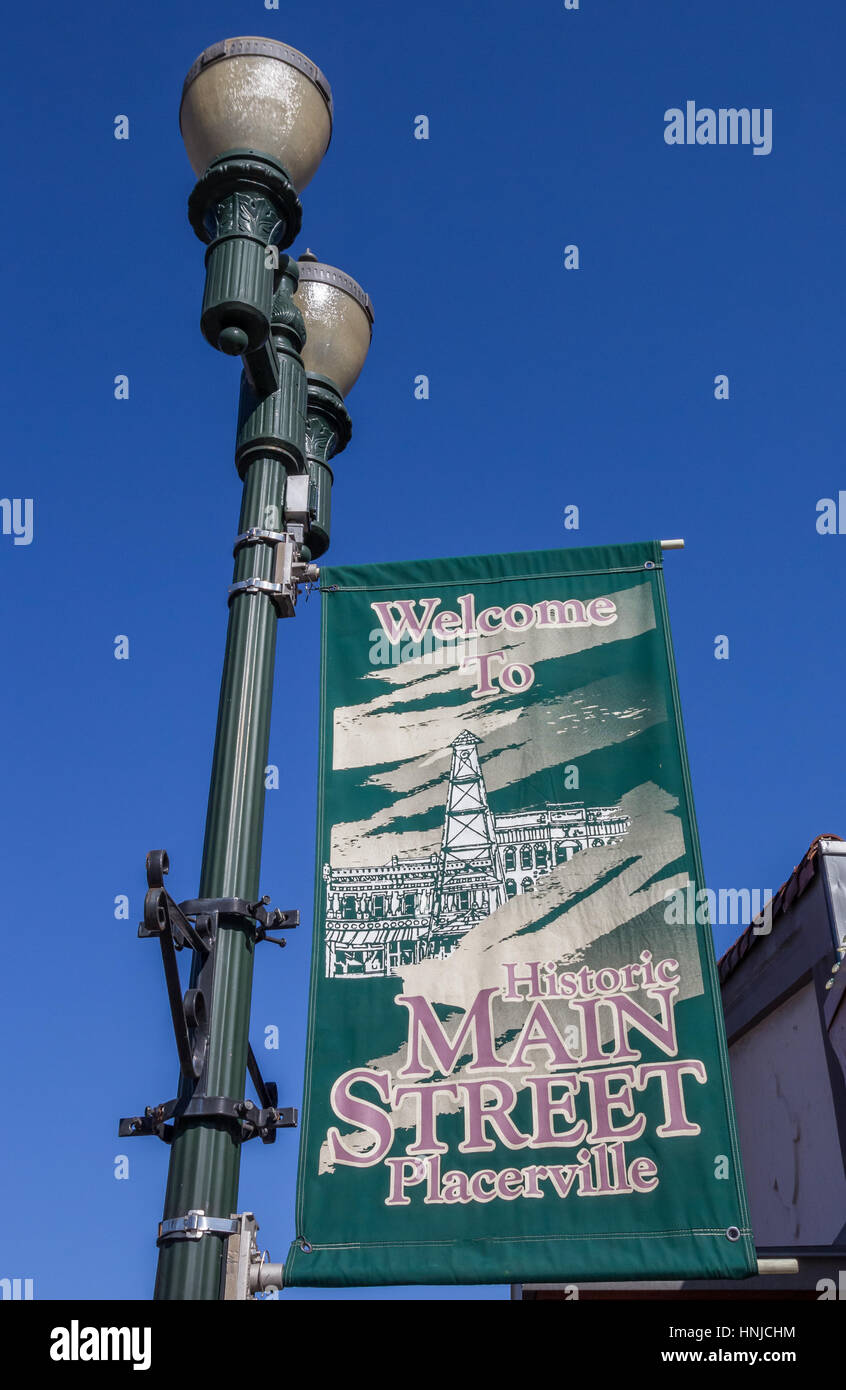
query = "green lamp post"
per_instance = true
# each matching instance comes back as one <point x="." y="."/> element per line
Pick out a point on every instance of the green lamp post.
<point x="256" y="117"/>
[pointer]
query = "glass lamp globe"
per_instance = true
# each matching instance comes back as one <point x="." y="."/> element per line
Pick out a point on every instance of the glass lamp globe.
<point x="257" y="94"/>
<point x="339" y="322"/>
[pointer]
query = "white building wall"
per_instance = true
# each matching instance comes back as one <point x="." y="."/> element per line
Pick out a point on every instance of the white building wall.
<point x="791" y="1150"/>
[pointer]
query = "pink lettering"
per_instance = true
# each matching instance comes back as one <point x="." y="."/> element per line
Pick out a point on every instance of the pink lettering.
<point x="361" y="1113"/>
<point x="424" y="1025"/>
<point x="408" y="621"/>
<point x="602" y="611"/>
<point x="477" y="1115"/>
<point x="546" y="1108"/>
<point x="489" y="620"/>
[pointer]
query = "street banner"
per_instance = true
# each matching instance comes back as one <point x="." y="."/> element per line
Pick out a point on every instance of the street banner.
<point x="516" y="1065"/>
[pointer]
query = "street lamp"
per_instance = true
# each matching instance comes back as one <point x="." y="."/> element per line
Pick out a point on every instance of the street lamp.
<point x="256" y="117"/>
<point x="338" y="317"/>
<point x="260" y="94"/>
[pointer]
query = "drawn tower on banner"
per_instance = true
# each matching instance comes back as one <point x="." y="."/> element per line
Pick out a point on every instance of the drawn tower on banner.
<point x="470" y="881"/>
<point x="379" y="919"/>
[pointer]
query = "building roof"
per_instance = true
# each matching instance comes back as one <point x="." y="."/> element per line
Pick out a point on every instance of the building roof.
<point x="793" y="888"/>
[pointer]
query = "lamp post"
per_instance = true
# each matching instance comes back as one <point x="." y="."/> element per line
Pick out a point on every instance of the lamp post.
<point x="256" y="117"/>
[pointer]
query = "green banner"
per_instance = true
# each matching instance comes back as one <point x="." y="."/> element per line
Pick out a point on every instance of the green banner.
<point x="516" y="1066"/>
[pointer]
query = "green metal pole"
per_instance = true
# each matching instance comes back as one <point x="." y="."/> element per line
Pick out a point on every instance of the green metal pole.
<point x="205" y="1154"/>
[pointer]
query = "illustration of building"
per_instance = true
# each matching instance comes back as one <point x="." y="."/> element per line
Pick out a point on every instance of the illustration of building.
<point x="381" y="918"/>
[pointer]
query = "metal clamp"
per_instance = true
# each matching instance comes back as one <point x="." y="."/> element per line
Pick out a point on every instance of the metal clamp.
<point x="258" y="586"/>
<point x="257" y="536"/>
<point x="249" y="1122"/>
<point x="249" y="913"/>
<point x="290" y="570"/>
<point x="195" y="1225"/>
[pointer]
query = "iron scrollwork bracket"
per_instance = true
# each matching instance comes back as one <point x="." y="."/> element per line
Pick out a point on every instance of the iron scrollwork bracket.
<point x="195" y="924"/>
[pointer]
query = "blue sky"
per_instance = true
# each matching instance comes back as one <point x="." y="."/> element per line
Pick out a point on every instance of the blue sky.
<point x="549" y="388"/>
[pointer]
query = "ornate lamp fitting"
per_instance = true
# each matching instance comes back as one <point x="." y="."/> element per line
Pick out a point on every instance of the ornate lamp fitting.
<point x="328" y="432"/>
<point x="286" y="321"/>
<point x="246" y="209"/>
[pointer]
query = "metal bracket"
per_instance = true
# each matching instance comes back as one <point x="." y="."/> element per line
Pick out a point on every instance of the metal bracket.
<point x="164" y="919"/>
<point x="255" y="535"/>
<point x="262" y="368"/>
<point x="250" y="913"/>
<point x="195" y="1225"/>
<point x="289" y="570"/>
<point x="276" y="592"/>
<point x="246" y="1272"/>
<point x="298" y="511"/>
<point x="251" y="1121"/>
<point x="171" y="923"/>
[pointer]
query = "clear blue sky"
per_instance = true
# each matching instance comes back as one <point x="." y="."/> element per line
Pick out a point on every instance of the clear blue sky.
<point x="548" y="388"/>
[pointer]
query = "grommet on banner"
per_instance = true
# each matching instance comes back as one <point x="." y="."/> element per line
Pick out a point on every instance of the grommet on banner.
<point x="733" y="1233"/>
<point x="649" y="564"/>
